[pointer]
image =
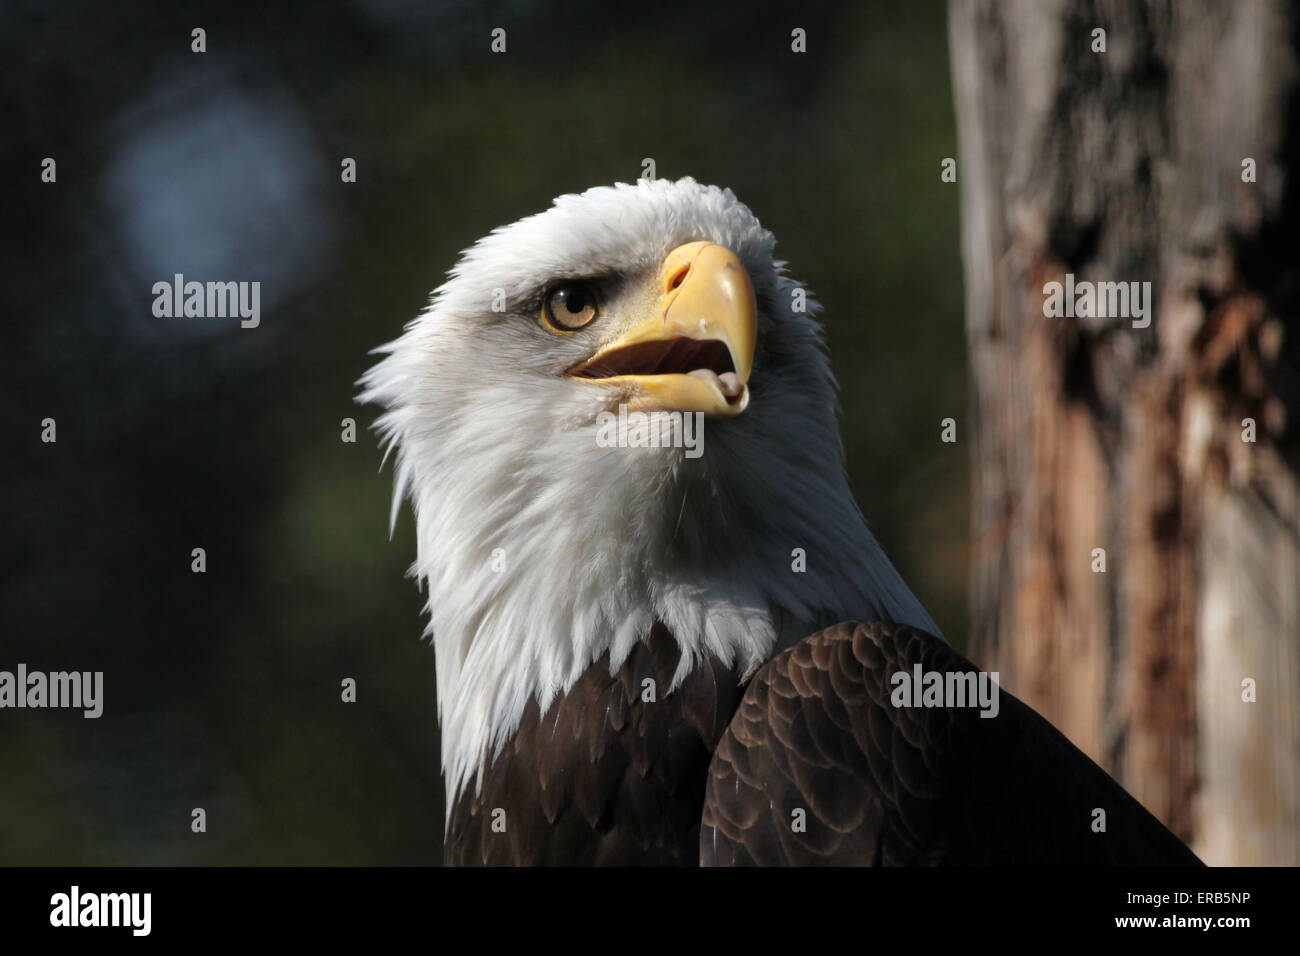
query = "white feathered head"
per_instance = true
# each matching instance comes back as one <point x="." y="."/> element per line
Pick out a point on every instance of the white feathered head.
<point x="521" y="406"/>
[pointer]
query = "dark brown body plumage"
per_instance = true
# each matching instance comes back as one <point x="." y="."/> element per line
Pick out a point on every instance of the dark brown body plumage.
<point x="604" y="777"/>
<point x="907" y="786"/>
<point x="700" y="776"/>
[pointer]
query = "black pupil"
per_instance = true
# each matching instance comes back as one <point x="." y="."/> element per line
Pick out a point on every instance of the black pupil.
<point x="573" y="298"/>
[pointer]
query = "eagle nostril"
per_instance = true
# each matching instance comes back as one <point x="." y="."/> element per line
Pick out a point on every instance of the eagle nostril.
<point x="679" y="277"/>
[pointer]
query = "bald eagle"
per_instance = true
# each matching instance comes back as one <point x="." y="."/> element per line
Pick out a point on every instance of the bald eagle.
<point x="651" y="652"/>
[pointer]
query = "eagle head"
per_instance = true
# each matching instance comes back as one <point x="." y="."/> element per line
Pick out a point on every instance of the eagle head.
<point x="613" y="413"/>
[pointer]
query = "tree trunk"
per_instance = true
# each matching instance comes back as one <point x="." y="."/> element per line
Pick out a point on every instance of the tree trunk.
<point x="1097" y="433"/>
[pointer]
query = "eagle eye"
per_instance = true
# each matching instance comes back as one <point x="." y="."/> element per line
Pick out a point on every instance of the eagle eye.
<point x="568" y="307"/>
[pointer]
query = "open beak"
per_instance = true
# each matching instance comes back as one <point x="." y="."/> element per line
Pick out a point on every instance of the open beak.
<point x="695" y="351"/>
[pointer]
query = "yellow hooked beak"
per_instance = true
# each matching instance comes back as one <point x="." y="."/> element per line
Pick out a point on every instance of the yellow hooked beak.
<point x="695" y="350"/>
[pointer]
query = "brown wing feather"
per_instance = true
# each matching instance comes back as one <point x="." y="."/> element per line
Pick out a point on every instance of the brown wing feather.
<point x="816" y="731"/>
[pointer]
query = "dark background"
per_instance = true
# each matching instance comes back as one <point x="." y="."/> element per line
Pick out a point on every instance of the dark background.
<point x="222" y="690"/>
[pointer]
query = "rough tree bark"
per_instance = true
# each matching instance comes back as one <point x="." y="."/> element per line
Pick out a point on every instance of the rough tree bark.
<point x="1127" y="165"/>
